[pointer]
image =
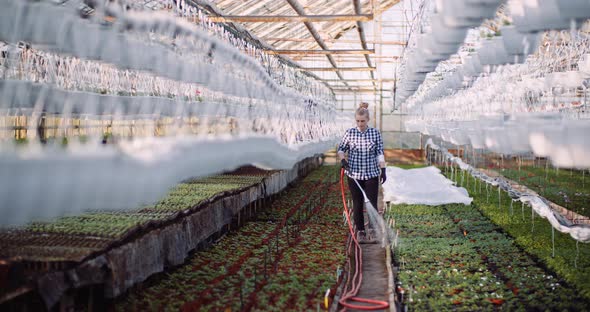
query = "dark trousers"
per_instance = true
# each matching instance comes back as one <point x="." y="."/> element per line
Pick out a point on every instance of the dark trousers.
<point x="371" y="188"/>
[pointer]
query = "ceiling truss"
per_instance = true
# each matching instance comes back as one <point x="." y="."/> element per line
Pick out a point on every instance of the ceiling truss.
<point x="291" y="19"/>
<point x="308" y="33"/>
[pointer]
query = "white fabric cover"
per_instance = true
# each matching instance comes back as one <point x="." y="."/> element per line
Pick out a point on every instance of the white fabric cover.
<point x="425" y="186"/>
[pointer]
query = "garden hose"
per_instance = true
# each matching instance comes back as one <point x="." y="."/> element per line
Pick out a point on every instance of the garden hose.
<point x="351" y="295"/>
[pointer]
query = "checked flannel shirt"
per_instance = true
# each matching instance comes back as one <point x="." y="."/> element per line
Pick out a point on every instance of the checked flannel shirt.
<point x="363" y="149"/>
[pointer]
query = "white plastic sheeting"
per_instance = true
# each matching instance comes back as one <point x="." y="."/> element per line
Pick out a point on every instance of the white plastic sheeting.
<point x="563" y="140"/>
<point x="425" y="186"/>
<point x="449" y="22"/>
<point x="149" y="67"/>
<point x="579" y="232"/>
<point x="195" y="57"/>
<point x="41" y="186"/>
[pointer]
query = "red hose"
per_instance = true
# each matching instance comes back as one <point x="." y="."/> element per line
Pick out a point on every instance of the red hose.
<point x="350" y="295"/>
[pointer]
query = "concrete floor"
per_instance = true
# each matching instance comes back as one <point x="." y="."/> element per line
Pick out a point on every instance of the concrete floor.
<point x="377" y="283"/>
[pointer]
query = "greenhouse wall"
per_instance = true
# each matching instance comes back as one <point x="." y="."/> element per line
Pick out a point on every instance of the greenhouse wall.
<point x="402" y="140"/>
<point x="392" y="122"/>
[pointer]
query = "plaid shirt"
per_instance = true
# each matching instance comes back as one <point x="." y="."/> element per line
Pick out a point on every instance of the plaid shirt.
<point x="363" y="149"/>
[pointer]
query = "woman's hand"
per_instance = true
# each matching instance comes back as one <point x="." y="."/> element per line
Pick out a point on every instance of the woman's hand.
<point x="344" y="163"/>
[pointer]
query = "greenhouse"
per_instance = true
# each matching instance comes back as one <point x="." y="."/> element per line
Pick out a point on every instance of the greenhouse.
<point x="294" y="155"/>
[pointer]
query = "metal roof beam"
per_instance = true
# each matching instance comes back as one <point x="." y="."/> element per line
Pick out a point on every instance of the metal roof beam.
<point x="297" y="7"/>
<point x="290" y="18"/>
<point x="369" y="90"/>
<point x="357" y="80"/>
<point x="361" y="30"/>
<point x="215" y="10"/>
<point x="296" y="29"/>
<point x="315" y="52"/>
<point x="301" y="59"/>
<point x="351" y="57"/>
<point x="402" y="43"/>
<point x="339" y="69"/>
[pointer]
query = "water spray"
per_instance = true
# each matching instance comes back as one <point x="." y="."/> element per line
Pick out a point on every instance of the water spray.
<point x="376" y="222"/>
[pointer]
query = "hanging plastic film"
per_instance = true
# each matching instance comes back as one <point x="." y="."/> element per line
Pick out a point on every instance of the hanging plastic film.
<point x="109" y="109"/>
<point x="579" y="232"/>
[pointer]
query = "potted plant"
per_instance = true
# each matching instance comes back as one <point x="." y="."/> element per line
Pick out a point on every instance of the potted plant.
<point x="446" y="34"/>
<point x="466" y="13"/>
<point x="501" y="55"/>
<point x="517" y="43"/>
<point x="533" y="16"/>
<point x="584" y="64"/>
<point x="574" y="9"/>
<point x="570" y="146"/>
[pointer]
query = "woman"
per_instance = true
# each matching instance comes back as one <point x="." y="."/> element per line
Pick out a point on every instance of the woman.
<point x="365" y="163"/>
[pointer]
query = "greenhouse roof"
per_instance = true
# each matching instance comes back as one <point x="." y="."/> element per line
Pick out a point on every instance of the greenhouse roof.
<point x="345" y="43"/>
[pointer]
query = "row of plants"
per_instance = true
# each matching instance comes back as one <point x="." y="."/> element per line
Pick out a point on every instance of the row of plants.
<point x="567" y="188"/>
<point x="236" y="179"/>
<point x="100" y="224"/>
<point x="285" y="260"/>
<point x="452" y="257"/>
<point x="115" y="224"/>
<point x="209" y="275"/>
<point x="193" y="192"/>
<point x="305" y="271"/>
<point x="557" y="251"/>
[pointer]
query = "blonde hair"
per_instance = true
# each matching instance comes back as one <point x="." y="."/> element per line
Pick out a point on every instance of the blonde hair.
<point x="364" y="105"/>
<point x="363" y="112"/>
